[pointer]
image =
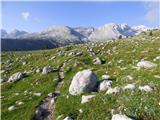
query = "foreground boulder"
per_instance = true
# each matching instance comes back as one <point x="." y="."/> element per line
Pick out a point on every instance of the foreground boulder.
<point x="83" y="82"/>
<point x="146" y="64"/>
<point x="120" y="117"/>
<point x="16" y="76"/>
<point x="86" y="98"/>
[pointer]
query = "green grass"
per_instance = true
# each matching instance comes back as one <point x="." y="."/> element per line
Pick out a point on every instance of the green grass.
<point x="142" y="106"/>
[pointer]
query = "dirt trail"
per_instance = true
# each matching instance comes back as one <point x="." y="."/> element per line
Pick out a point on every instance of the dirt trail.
<point x="47" y="107"/>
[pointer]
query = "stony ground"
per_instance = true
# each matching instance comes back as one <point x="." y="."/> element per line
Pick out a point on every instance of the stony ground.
<point x="42" y="87"/>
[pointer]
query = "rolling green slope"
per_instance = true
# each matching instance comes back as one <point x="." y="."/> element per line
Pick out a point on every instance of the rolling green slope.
<point x="119" y="61"/>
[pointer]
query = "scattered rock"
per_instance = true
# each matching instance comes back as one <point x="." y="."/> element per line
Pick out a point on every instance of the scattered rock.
<point x="38" y="70"/>
<point x="129" y="86"/>
<point x="105" y="77"/>
<point x="80" y="111"/>
<point x="113" y="90"/>
<point x="47" y="70"/>
<point x="11" y="108"/>
<point x="129" y="77"/>
<point x="24" y="63"/>
<point x="157" y="76"/>
<point x="146" y="88"/>
<point x="146" y="64"/>
<point x="2" y="71"/>
<point x="86" y="98"/>
<point x="20" y="103"/>
<point x="83" y="81"/>
<point x="120" y="117"/>
<point x="104" y="85"/>
<point x="97" y="61"/>
<point x="37" y="94"/>
<point x="1" y="80"/>
<point x="52" y="58"/>
<point x="68" y="118"/>
<point x="16" y="76"/>
<point x="71" y="54"/>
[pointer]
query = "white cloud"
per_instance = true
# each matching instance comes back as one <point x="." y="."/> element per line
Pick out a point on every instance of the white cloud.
<point x="152" y="11"/>
<point x="25" y="15"/>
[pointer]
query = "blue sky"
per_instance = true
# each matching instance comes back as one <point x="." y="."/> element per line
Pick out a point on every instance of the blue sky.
<point x="36" y="16"/>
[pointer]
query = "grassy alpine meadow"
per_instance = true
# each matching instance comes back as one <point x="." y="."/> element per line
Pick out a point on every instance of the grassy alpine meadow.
<point x="119" y="61"/>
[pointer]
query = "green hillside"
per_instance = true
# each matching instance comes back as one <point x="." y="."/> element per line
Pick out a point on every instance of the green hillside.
<point x="119" y="60"/>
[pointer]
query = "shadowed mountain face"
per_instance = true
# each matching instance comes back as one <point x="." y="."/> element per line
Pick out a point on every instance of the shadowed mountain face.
<point x="56" y="36"/>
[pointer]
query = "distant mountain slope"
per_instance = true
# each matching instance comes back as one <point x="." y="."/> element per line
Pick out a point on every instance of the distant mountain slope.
<point x="56" y="36"/>
<point x="14" y="34"/>
<point x="114" y="31"/>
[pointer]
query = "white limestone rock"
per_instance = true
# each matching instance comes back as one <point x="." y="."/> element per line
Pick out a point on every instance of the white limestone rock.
<point x="11" y="108"/>
<point x="83" y="82"/>
<point x="105" y="77"/>
<point x="38" y="70"/>
<point x="104" y="85"/>
<point x="47" y="70"/>
<point x="37" y="94"/>
<point x="86" y="98"/>
<point x="120" y="117"/>
<point x="129" y="86"/>
<point x="146" y="64"/>
<point x="97" y="61"/>
<point x="16" y="76"/>
<point x="113" y="90"/>
<point x="68" y="118"/>
<point x="145" y="88"/>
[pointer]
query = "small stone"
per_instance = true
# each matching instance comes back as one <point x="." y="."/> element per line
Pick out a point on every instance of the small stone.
<point x="37" y="94"/>
<point x="38" y="70"/>
<point x="120" y="117"/>
<point x="145" y="88"/>
<point x="97" y="61"/>
<point x="24" y="63"/>
<point x="11" y="108"/>
<point x="129" y="77"/>
<point x="20" y="103"/>
<point x="104" y="85"/>
<point x="146" y="64"/>
<point x="105" y="77"/>
<point x="68" y="118"/>
<point x="15" y="77"/>
<point x="157" y="76"/>
<point x="52" y="101"/>
<point x="129" y="86"/>
<point x="47" y="70"/>
<point x="16" y="93"/>
<point x="80" y="111"/>
<point x="86" y="98"/>
<point x="113" y="90"/>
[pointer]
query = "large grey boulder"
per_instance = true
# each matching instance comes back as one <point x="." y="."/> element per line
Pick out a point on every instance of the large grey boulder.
<point x="16" y="76"/>
<point x="83" y="82"/>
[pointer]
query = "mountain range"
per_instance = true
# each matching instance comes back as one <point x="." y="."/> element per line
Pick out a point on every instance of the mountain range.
<point x="56" y="36"/>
